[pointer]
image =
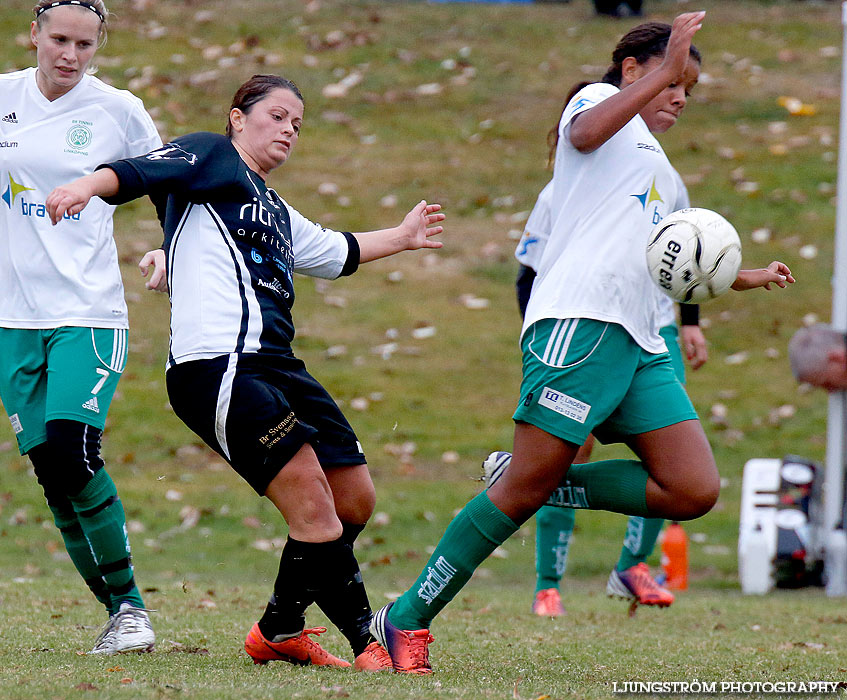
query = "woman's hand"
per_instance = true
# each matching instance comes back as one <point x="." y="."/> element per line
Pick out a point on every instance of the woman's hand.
<point x="72" y="198"/>
<point x="158" y="281"/>
<point x="413" y="233"/>
<point x="684" y="27"/>
<point x="68" y="199"/>
<point x="776" y="273"/>
<point x="419" y="225"/>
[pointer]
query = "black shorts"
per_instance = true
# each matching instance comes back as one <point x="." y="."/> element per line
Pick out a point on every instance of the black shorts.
<point x="257" y="411"/>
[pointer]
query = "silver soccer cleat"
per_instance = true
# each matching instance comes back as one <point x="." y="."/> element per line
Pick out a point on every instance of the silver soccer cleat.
<point x="494" y="466"/>
<point x="563" y="496"/>
<point x="129" y="629"/>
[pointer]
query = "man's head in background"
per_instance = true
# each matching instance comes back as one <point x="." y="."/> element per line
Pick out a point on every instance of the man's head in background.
<point x="818" y="355"/>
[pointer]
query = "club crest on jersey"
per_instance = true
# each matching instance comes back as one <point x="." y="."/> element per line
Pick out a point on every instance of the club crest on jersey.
<point x="171" y="151"/>
<point x="79" y="137"/>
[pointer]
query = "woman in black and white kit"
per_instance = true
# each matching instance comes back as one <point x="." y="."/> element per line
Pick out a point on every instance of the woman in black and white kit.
<point x="232" y="245"/>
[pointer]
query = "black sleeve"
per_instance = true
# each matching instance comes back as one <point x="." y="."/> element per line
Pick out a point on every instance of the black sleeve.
<point x="523" y="287"/>
<point x="689" y="314"/>
<point x="161" y="204"/>
<point x="191" y="166"/>
<point x="354" y="255"/>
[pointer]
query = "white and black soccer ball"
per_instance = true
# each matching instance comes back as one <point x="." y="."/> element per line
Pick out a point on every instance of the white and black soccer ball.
<point x="694" y="255"/>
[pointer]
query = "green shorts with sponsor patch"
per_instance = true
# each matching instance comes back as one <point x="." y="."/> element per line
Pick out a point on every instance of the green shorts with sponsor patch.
<point x="66" y="372"/>
<point x="584" y="376"/>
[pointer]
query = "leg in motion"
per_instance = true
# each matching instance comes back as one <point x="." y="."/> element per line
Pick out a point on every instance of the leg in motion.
<point x="684" y="482"/>
<point x="317" y="565"/>
<point x="483" y="524"/>
<point x="676" y="479"/>
<point x="355" y="498"/>
<point x="78" y="471"/>
<point x="631" y="578"/>
<point x="553" y="530"/>
<point x="67" y="522"/>
<point x="302" y="494"/>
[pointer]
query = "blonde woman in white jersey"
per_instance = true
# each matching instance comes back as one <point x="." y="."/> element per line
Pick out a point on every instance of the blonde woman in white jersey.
<point x="593" y="360"/>
<point x="63" y="318"/>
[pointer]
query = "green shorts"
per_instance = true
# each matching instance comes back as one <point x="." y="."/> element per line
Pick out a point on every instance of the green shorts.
<point x="583" y="376"/>
<point x="51" y="373"/>
<point x="671" y="337"/>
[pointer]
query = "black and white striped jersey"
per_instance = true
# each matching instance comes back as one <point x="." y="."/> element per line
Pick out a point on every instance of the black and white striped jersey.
<point x="232" y="245"/>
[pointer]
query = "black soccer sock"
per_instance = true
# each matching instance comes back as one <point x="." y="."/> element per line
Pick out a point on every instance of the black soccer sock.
<point x="285" y="613"/>
<point x="326" y="573"/>
<point x="343" y="598"/>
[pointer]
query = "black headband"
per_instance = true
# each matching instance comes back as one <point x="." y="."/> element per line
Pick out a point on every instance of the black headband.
<point x="79" y="3"/>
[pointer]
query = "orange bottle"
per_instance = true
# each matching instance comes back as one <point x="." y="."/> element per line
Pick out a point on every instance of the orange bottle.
<point x="675" y="557"/>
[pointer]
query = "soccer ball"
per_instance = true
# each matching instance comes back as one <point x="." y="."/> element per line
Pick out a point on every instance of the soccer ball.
<point x="694" y="255"/>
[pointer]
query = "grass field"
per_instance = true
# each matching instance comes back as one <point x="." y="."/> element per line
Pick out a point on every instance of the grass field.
<point x="448" y="102"/>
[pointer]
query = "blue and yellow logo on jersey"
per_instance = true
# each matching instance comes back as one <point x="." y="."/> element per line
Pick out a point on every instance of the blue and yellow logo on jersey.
<point x="13" y="189"/>
<point x="27" y="208"/>
<point x="646" y="198"/>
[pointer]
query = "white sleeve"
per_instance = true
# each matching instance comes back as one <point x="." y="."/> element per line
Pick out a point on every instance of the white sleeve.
<point x="590" y="96"/>
<point x="318" y="251"/>
<point x="141" y="134"/>
<point x="537" y="230"/>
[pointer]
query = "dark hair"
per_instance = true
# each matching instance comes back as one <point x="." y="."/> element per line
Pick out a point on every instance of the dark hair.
<point x="641" y="43"/>
<point x="254" y="90"/>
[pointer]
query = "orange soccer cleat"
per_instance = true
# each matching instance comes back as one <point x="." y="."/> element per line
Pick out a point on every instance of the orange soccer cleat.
<point x="548" y="603"/>
<point x="408" y="649"/>
<point x="299" y="649"/>
<point x="374" y="658"/>
<point x="636" y="584"/>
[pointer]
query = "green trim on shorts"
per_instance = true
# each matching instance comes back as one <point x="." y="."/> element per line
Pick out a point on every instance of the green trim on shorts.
<point x="582" y="376"/>
<point x="69" y="372"/>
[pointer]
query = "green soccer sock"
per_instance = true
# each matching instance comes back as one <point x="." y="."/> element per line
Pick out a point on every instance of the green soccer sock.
<point x="473" y="534"/>
<point x="103" y="521"/>
<point x="638" y="543"/>
<point x="80" y="553"/>
<point x="553" y="528"/>
<point x="617" y="485"/>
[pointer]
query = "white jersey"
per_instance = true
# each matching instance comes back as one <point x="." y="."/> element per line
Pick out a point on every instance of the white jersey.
<point x="63" y="275"/>
<point x="604" y="205"/>
<point x="537" y="230"/>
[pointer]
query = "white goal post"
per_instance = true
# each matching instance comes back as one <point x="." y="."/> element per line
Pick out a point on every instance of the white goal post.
<point x="836" y="456"/>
